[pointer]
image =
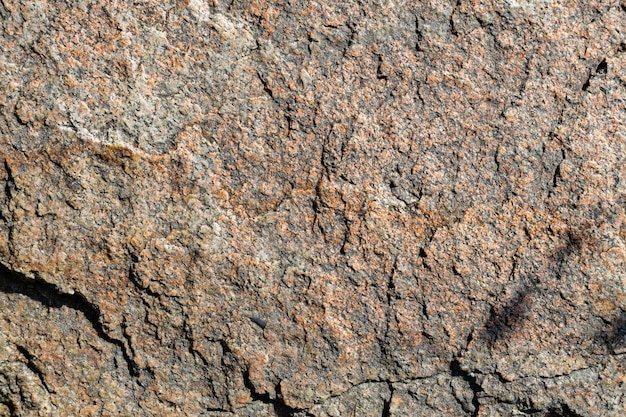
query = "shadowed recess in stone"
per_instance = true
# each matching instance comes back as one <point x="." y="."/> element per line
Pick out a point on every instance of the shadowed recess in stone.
<point x="614" y="334"/>
<point x="47" y="294"/>
<point x="508" y="318"/>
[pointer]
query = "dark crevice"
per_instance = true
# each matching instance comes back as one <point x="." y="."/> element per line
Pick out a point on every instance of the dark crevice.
<point x="556" y="176"/>
<point x="456" y="272"/>
<point x="456" y="371"/>
<point x="601" y="69"/>
<point x="380" y="71"/>
<point x="32" y="365"/>
<point x="586" y="84"/>
<point x="49" y="295"/>
<point x="557" y="172"/>
<point x="9" y="404"/>
<point x="280" y="408"/>
<point x="418" y="91"/>
<point x="495" y="156"/>
<point x="387" y="403"/>
<point x="268" y="90"/>
<point x="391" y="286"/>
<point x="20" y="119"/>
<point x="562" y="411"/>
<point x="425" y="310"/>
<point x="291" y="125"/>
<point x="346" y="235"/>
<point x="389" y="312"/>
<point x="453" y="30"/>
<point x="501" y="378"/>
<point x="419" y="35"/>
<point x="568" y="412"/>
<point x="9" y="185"/>
<point x="353" y="33"/>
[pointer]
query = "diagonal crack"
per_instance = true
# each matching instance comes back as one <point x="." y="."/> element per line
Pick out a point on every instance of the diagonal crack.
<point x="49" y="295"/>
<point x="457" y="371"/>
<point x="31" y="363"/>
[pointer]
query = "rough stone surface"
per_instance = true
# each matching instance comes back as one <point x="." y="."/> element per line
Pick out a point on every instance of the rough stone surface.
<point x="251" y="208"/>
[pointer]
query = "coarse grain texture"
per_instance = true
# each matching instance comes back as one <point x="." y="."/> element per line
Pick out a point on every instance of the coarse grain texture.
<point x="254" y="208"/>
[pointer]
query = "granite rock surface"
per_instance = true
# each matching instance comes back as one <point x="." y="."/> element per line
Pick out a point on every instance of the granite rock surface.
<point x="313" y="208"/>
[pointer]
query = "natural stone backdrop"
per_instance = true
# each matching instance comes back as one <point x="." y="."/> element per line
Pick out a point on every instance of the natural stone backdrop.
<point x="313" y="208"/>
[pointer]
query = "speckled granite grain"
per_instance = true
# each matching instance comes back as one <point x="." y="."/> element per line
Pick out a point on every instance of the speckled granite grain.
<point x="227" y="208"/>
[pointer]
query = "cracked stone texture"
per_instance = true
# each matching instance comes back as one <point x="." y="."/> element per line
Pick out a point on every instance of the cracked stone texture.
<point x="255" y="208"/>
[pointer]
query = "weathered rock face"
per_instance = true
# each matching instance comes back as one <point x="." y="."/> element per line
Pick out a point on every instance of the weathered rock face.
<point x="313" y="208"/>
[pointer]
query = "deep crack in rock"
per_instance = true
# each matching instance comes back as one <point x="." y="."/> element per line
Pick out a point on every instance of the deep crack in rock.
<point x="48" y="295"/>
<point x="457" y="371"/>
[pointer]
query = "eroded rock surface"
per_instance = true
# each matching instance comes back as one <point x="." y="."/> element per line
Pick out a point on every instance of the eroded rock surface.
<point x="381" y="208"/>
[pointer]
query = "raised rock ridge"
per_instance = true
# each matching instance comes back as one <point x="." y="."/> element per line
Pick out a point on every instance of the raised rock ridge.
<point x="290" y="208"/>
